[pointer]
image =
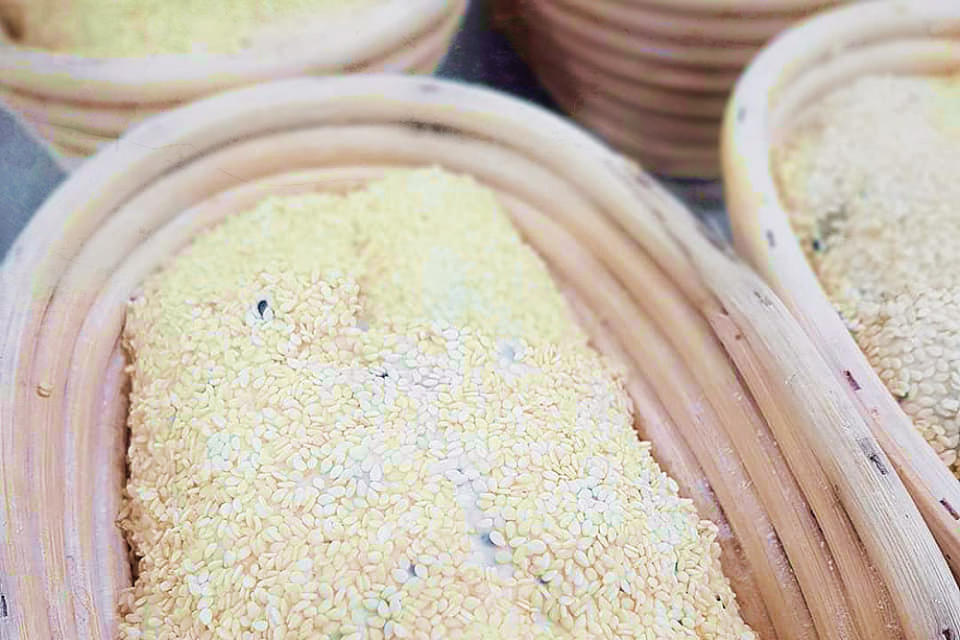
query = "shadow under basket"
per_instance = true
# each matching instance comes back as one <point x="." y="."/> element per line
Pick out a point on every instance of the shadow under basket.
<point x="797" y="69"/>
<point x="819" y="537"/>
<point x="81" y="104"/>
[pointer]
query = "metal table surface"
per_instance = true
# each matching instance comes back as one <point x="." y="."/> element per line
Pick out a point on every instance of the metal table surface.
<point x="479" y="54"/>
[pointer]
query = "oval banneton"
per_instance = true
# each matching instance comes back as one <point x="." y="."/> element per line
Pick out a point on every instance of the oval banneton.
<point x="708" y="345"/>
<point x="824" y="53"/>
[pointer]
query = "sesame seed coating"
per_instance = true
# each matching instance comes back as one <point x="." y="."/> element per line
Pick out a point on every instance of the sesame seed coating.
<point x="410" y="439"/>
<point x="130" y="28"/>
<point x="870" y="176"/>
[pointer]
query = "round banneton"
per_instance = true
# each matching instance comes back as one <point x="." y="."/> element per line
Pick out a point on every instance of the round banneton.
<point x="421" y="55"/>
<point x="803" y="64"/>
<point x="679" y="61"/>
<point x="78" y="129"/>
<point x="387" y="25"/>
<point x="704" y="338"/>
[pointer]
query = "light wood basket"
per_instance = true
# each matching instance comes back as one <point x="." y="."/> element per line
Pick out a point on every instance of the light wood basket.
<point x="884" y="36"/>
<point x="820" y="538"/>
<point x="82" y="104"/>
<point x="622" y="67"/>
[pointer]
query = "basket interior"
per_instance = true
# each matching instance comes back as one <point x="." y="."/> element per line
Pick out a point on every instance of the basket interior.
<point x="296" y="164"/>
<point x="795" y="71"/>
<point x="608" y="233"/>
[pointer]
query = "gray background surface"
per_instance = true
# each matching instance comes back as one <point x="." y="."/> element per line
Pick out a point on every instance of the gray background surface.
<point x="478" y="55"/>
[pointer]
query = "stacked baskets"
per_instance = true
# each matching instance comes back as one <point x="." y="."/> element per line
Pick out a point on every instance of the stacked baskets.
<point x="82" y="104"/>
<point x="806" y="63"/>
<point x="650" y="76"/>
<point x="817" y="541"/>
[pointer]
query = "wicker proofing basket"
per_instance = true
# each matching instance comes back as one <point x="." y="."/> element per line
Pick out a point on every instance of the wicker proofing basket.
<point x="916" y="36"/>
<point x="650" y="76"/>
<point x="819" y="539"/>
<point x="82" y="104"/>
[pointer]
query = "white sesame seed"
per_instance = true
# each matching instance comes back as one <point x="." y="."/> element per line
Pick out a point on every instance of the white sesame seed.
<point x="518" y="541"/>
<point x="871" y="181"/>
<point x="329" y="489"/>
<point x="536" y="546"/>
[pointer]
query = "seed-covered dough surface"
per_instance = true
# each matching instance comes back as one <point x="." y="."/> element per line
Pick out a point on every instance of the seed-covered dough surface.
<point x="134" y="28"/>
<point x="871" y="175"/>
<point x="372" y="416"/>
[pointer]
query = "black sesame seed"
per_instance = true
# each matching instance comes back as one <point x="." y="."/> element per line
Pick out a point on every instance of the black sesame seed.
<point x="262" y="307"/>
<point x="817" y="246"/>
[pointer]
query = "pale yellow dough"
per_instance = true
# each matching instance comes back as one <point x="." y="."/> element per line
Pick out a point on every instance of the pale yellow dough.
<point x="871" y="175"/>
<point x="372" y="416"/>
<point x="135" y="28"/>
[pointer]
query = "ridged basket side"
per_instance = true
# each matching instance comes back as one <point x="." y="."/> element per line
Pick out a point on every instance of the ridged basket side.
<point x="610" y="64"/>
<point x="825" y="53"/>
<point x="819" y="541"/>
<point x="732" y="8"/>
